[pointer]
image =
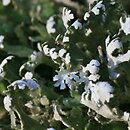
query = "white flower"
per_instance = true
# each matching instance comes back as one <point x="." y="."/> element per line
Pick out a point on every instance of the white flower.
<point x="125" y="26"/>
<point x="67" y="16"/>
<point x="7" y="103"/>
<point x="50" y="129"/>
<point x="86" y="16"/>
<point x="93" y="67"/>
<point x="114" y="61"/>
<point x="46" y="49"/>
<point x="64" y="78"/>
<point x="65" y="39"/>
<point x="94" y="62"/>
<point x="126" y="116"/>
<point x="4" y="62"/>
<point x="112" y="2"/>
<point x="50" y="25"/>
<point x="67" y="58"/>
<point x="77" y="25"/>
<point x="6" y="2"/>
<point x="1" y="41"/>
<point x="94" y="77"/>
<point x="62" y="52"/>
<point x="53" y="54"/>
<point x="28" y="75"/>
<point x="98" y="6"/>
<point x="61" y="79"/>
<point x="113" y="45"/>
<point x="88" y="32"/>
<point x="101" y="92"/>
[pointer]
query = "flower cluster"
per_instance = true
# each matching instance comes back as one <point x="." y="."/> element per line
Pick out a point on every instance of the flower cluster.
<point x="77" y="66"/>
<point x="62" y="54"/>
<point x="26" y="81"/>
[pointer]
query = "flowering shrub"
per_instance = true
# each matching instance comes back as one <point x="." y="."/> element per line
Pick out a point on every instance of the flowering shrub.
<point x="64" y="65"/>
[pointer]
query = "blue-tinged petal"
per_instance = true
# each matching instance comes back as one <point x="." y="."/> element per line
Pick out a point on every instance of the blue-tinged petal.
<point x="21" y="84"/>
<point x="32" y="84"/>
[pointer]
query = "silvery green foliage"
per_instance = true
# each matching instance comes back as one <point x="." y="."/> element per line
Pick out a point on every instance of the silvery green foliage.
<point x="66" y="70"/>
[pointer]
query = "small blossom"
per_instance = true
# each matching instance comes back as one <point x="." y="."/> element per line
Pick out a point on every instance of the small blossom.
<point x="1" y="41"/>
<point x="94" y="77"/>
<point x="65" y="39"/>
<point x="62" y="52"/>
<point x="46" y="49"/>
<point x="4" y="62"/>
<point x="50" y="129"/>
<point x="67" y="58"/>
<point x="101" y="92"/>
<point x="114" y="61"/>
<point x="7" y="103"/>
<point x="93" y="67"/>
<point x="67" y="16"/>
<point x="64" y="78"/>
<point x="112" y="2"/>
<point x="53" y="54"/>
<point x="88" y="32"/>
<point x="32" y="84"/>
<point x="28" y="75"/>
<point x="113" y="45"/>
<point x="77" y="25"/>
<point x="126" y="116"/>
<point x="94" y="62"/>
<point x="26" y="81"/>
<point x="6" y="2"/>
<point x="20" y="83"/>
<point x="125" y="26"/>
<point x="50" y="25"/>
<point x="98" y="6"/>
<point x="61" y="79"/>
<point x="86" y="16"/>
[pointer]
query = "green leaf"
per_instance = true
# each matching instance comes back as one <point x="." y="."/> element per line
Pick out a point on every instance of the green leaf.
<point x="17" y="50"/>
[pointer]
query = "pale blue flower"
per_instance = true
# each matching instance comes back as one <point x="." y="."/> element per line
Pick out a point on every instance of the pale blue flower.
<point x="6" y="2"/>
<point x="63" y="78"/>
<point x="27" y="81"/>
<point x="20" y="83"/>
<point x="32" y="84"/>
